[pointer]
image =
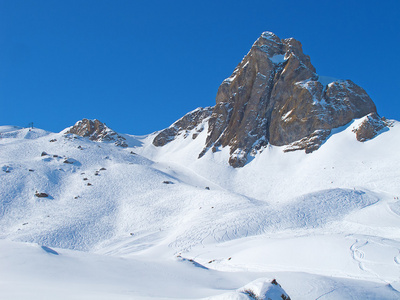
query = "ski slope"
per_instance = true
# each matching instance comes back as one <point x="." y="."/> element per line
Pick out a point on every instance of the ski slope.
<point x="325" y="225"/>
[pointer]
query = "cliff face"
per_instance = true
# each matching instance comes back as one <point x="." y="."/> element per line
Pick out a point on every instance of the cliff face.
<point x="275" y="96"/>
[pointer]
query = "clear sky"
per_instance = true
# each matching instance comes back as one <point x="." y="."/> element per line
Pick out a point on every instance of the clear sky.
<point x="141" y="65"/>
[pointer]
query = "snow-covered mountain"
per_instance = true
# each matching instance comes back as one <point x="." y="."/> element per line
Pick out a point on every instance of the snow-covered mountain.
<point x="275" y="96"/>
<point x="89" y="213"/>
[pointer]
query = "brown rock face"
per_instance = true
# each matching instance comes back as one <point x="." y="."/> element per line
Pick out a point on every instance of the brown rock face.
<point x="187" y="123"/>
<point x="97" y="131"/>
<point x="275" y="96"/>
<point x="370" y="127"/>
<point x="309" y="143"/>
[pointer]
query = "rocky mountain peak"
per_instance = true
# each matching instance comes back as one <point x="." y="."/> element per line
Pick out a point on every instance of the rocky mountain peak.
<point x="97" y="131"/>
<point x="274" y="96"/>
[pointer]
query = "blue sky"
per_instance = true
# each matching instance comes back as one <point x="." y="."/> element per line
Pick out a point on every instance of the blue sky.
<point x="140" y="65"/>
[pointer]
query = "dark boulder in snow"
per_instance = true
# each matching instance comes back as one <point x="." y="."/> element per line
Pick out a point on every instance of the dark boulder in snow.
<point x="41" y="195"/>
<point x="69" y="161"/>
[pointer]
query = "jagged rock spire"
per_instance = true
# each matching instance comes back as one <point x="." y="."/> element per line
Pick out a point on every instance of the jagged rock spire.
<point x="274" y="96"/>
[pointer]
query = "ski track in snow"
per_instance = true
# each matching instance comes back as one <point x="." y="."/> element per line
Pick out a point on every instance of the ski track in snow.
<point x="365" y="252"/>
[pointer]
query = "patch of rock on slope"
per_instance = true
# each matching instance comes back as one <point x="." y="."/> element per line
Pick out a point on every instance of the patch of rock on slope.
<point x="192" y="120"/>
<point x="370" y="127"/>
<point x="97" y="131"/>
<point x="275" y="96"/>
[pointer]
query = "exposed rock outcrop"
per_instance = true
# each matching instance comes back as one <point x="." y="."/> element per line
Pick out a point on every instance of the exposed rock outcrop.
<point x="97" y="131"/>
<point x="309" y="143"/>
<point x="191" y="121"/>
<point x="275" y="96"/>
<point x="370" y="127"/>
<point x="41" y="195"/>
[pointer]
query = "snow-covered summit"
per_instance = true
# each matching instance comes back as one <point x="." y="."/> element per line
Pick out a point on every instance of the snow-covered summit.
<point x="9" y="133"/>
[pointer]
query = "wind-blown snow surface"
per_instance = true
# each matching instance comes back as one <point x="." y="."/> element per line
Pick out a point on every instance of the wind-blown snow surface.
<point x="160" y="223"/>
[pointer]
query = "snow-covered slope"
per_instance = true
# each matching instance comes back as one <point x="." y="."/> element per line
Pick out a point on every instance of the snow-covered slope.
<point x="273" y="176"/>
<point x="198" y="228"/>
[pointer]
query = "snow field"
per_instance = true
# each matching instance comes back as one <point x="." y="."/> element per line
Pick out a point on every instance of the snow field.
<point x="298" y="218"/>
<point x="37" y="273"/>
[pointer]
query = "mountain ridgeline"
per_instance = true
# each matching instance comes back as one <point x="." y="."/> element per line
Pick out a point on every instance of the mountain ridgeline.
<point x="274" y="96"/>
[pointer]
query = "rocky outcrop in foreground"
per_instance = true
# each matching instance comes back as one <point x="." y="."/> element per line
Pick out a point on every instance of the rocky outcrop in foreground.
<point x="97" y="131"/>
<point x="275" y="96"/>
